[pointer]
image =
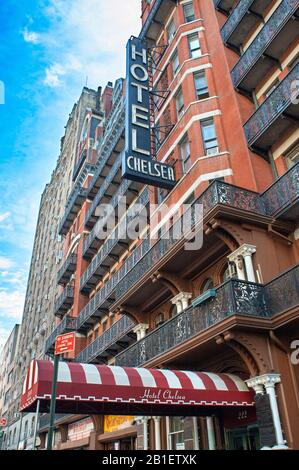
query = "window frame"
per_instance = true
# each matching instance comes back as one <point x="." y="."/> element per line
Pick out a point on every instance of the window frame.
<point x="206" y="93"/>
<point x="179" y="111"/>
<point x="206" y="142"/>
<point x="193" y="52"/>
<point x="185" y="6"/>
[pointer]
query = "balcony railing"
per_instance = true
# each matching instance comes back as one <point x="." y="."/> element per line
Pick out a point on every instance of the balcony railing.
<point x="147" y="255"/>
<point x="234" y="297"/>
<point x="73" y="206"/>
<point x="224" y="5"/>
<point x="67" y="269"/>
<point x="245" y="15"/>
<point x="158" y="13"/>
<point x="64" y="301"/>
<point x="109" y="143"/>
<point x="79" y="163"/>
<point x="92" y="242"/>
<point x="264" y="127"/>
<point x="67" y="324"/>
<point x="267" y="47"/>
<point x="104" y="191"/>
<point x="281" y="199"/>
<point x="108" y="341"/>
<point x="112" y="245"/>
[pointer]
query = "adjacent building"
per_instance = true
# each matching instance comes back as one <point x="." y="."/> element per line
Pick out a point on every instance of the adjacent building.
<point x="42" y="289"/>
<point x="224" y="83"/>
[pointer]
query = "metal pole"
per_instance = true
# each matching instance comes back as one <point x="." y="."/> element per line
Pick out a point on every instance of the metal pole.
<point x="19" y="435"/>
<point x="36" y="424"/>
<point x="53" y="403"/>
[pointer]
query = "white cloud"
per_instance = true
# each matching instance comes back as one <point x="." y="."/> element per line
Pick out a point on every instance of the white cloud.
<point x="11" y="303"/>
<point x="31" y="36"/>
<point x="4" y="216"/>
<point x="5" y="263"/>
<point x="88" y="39"/>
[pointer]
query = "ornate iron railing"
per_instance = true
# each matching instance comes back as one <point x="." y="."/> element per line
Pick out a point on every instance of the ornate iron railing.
<point x="276" y="103"/>
<point x="65" y="298"/>
<point x="121" y="191"/>
<point x="283" y="292"/>
<point x="68" y="266"/>
<point x="106" y="340"/>
<point x="279" y="18"/>
<point x="67" y="324"/>
<point x="118" y="234"/>
<point x="75" y="201"/>
<point x="108" y="180"/>
<point x="110" y="139"/>
<point x="233" y="297"/>
<point x="236" y="16"/>
<point x="283" y="192"/>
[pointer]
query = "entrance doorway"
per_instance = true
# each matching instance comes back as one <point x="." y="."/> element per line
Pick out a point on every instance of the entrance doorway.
<point x="243" y="438"/>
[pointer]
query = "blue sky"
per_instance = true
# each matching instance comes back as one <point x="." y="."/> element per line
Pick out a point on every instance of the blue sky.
<point x="48" y="49"/>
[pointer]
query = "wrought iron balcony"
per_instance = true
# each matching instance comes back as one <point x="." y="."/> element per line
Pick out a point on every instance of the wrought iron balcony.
<point x="66" y="325"/>
<point x="244" y="17"/>
<point x="112" y="143"/>
<point x="268" y="47"/>
<point x="224" y="5"/>
<point x="97" y="306"/>
<point x="64" y="301"/>
<point x="127" y="189"/>
<point x="79" y="163"/>
<point x="118" y="337"/>
<point x="145" y="257"/>
<point x="112" y="246"/>
<point x="274" y="117"/>
<point x="157" y="16"/>
<point x="281" y="200"/>
<point x="73" y="206"/>
<point x="234" y="297"/>
<point x="67" y="269"/>
<point x="105" y="192"/>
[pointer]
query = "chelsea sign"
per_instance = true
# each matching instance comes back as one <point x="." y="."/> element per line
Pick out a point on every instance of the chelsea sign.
<point x="137" y="164"/>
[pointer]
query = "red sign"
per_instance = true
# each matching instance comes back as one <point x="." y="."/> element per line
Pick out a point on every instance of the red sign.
<point x="65" y="343"/>
<point x="3" y="422"/>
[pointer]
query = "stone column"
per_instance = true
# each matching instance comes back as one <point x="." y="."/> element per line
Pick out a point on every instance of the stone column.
<point x="140" y="330"/>
<point x="195" y="433"/>
<point x="211" y="433"/>
<point x="181" y="301"/>
<point x="142" y="421"/>
<point x="157" y="420"/>
<point x="268" y="381"/>
<point x="245" y="253"/>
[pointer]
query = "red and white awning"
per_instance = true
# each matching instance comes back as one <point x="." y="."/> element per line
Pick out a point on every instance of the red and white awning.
<point x="100" y="389"/>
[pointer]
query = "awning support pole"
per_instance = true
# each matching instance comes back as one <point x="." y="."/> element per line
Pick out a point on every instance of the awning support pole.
<point x="53" y="403"/>
<point x="36" y="425"/>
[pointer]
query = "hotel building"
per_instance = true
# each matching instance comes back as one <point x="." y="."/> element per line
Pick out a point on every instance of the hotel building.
<point x="224" y="81"/>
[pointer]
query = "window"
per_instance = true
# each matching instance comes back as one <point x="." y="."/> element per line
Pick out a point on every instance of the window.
<point x="207" y="285"/>
<point x="170" y="31"/>
<point x="185" y="154"/>
<point x="176" y="433"/>
<point x="201" y="86"/>
<point x="209" y="137"/>
<point x="194" y="46"/>
<point x="292" y="156"/>
<point x="189" y="12"/>
<point x="175" y="63"/>
<point x="159" y="320"/>
<point x="179" y="103"/>
<point x="161" y="195"/>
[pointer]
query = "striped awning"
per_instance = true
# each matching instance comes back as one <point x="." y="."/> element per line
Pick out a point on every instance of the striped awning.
<point x="101" y="389"/>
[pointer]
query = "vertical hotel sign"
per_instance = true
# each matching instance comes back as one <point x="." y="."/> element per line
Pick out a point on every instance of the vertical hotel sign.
<point x="137" y="164"/>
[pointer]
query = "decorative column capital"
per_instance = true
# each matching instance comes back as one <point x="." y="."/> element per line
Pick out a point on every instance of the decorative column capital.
<point x="157" y="419"/>
<point x="266" y="380"/>
<point x="180" y="297"/>
<point x="243" y="250"/>
<point x="140" y="327"/>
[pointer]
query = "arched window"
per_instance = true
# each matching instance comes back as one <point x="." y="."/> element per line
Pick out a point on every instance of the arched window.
<point x="174" y="311"/>
<point x="207" y="285"/>
<point x="225" y="273"/>
<point x="159" y="320"/>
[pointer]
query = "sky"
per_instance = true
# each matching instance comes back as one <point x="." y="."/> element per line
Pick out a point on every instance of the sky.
<point x="49" y="50"/>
